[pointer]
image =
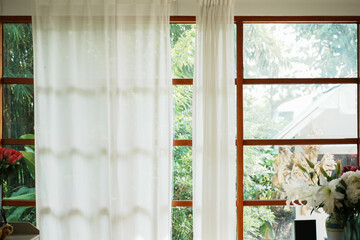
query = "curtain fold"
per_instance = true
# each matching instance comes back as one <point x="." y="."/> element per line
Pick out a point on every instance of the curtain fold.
<point x="214" y="122"/>
<point x="103" y="119"/>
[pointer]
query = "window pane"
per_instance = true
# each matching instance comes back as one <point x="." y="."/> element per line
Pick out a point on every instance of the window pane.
<point x="20" y="214"/>
<point x="182" y="38"/>
<point x="18" y="110"/>
<point x="182" y="223"/>
<point x="278" y="222"/>
<point x="300" y="50"/>
<point x="182" y="173"/>
<point x="182" y="111"/>
<point x="300" y="111"/>
<point x="266" y="168"/>
<point x="22" y="185"/>
<point x="274" y="221"/>
<point x="18" y="50"/>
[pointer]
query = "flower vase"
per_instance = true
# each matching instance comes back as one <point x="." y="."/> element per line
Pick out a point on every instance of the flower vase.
<point x="334" y="229"/>
<point x="352" y="229"/>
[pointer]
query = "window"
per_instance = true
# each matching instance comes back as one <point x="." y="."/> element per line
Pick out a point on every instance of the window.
<point x="297" y="88"/>
<point x="183" y="53"/>
<point x="17" y="130"/>
<point x="298" y="75"/>
<point x="297" y="95"/>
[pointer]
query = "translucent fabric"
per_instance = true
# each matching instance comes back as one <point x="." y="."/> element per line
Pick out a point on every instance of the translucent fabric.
<point x="214" y="169"/>
<point x="103" y="119"/>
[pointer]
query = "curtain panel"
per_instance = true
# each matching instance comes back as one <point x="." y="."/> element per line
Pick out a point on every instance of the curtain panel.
<point x="214" y="122"/>
<point x="103" y="98"/>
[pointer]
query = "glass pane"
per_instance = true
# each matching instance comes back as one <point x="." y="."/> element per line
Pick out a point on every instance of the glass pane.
<point x="182" y="175"/>
<point x="300" y="111"/>
<point x="18" y="110"/>
<point x="22" y="185"/>
<point x="182" y="111"/>
<point x="277" y="222"/>
<point x="182" y="223"/>
<point x="300" y="50"/>
<point x="20" y="214"/>
<point x="182" y="38"/>
<point x="18" y="50"/>
<point x="267" y="168"/>
<point x="269" y="222"/>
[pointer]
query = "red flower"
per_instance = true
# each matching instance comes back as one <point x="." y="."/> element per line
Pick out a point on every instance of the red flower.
<point x="2" y="153"/>
<point x="19" y="155"/>
<point x="12" y="159"/>
<point x="7" y="153"/>
<point x="349" y="168"/>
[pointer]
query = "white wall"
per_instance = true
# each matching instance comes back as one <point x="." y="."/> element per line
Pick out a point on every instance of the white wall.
<point x="242" y="7"/>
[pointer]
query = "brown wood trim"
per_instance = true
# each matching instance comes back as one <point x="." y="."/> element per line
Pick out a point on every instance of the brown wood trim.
<point x="17" y="80"/>
<point x="276" y="202"/>
<point x="1" y="86"/>
<point x="300" y="80"/>
<point x="182" y="19"/>
<point x="17" y="141"/>
<point x="9" y="202"/>
<point x="240" y="134"/>
<point x="176" y="203"/>
<point x="298" y="19"/>
<point x="182" y="81"/>
<point x="261" y="142"/>
<point x="182" y="142"/>
<point x="264" y="202"/>
<point x="15" y="19"/>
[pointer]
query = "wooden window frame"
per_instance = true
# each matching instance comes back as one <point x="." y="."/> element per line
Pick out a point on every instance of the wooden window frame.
<point x="240" y="81"/>
<point x="8" y="141"/>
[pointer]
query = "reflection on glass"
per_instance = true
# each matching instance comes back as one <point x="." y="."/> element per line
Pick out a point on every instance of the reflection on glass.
<point x="182" y="95"/>
<point x="267" y="168"/>
<point x="182" y="38"/>
<point x="182" y="223"/>
<point x="18" y="50"/>
<point x="300" y="111"/>
<point x="18" y="110"/>
<point x="22" y="185"/>
<point x="300" y="50"/>
<point x="20" y="214"/>
<point x="182" y="175"/>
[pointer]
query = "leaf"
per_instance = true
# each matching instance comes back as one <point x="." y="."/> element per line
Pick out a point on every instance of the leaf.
<point x="16" y="214"/>
<point x="301" y="168"/>
<point x="27" y="136"/>
<point x="28" y="196"/>
<point x="267" y="231"/>
<point x="30" y="162"/>
<point x="343" y="183"/>
<point x="22" y="191"/>
<point x="311" y="165"/>
<point x="323" y="172"/>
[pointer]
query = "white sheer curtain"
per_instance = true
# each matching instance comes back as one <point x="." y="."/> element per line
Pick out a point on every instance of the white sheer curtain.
<point x="214" y="122"/>
<point x="103" y="119"/>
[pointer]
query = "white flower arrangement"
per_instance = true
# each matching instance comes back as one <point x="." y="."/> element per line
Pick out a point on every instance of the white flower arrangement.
<point x="338" y="195"/>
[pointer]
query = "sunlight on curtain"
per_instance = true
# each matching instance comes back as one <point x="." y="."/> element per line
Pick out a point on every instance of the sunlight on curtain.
<point x="103" y="119"/>
<point x="214" y="122"/>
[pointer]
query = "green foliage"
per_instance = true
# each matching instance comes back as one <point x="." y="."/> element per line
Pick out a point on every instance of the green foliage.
<point x="18" y="50"/>
<point x="182" y="227"/>
<point x="182" y="112"/>
<point x="182" y="49"/>
<point x="182" y="173"/>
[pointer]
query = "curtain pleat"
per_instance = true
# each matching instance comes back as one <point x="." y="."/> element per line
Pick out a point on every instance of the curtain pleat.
<point x="103" y="119"/>
<point x="214" y="123"/>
